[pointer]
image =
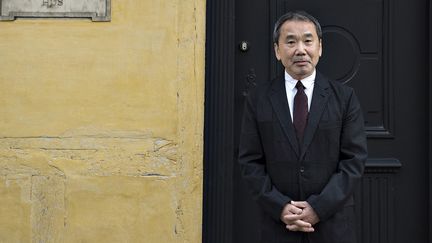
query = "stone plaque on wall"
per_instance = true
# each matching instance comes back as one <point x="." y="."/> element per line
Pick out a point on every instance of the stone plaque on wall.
<point x="97" y="10"/>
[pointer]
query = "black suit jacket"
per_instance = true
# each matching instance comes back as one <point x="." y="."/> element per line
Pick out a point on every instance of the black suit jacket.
<point x="323" y="170"/>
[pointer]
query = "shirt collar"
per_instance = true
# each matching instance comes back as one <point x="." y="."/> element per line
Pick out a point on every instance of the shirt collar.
<point x="307" y="82"/>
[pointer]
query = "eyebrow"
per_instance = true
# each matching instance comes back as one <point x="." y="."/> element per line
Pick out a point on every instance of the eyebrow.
<point x="293" y="36"/>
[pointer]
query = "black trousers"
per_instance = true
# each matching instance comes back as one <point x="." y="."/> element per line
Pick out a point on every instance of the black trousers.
<point x="305" y="239"/>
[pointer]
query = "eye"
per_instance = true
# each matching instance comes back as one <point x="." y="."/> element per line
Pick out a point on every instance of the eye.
<point x="308" y="42"/>
<point x="290" y="42"/>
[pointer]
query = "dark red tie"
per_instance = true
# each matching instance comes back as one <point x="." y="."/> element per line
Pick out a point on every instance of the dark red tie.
<point x="300" y="111"/>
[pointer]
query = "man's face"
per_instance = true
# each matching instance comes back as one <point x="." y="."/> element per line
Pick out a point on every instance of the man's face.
<point x="298" y="48"/>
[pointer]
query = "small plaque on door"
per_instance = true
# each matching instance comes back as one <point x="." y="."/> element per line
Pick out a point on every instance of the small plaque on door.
<point x="97" y="10"/>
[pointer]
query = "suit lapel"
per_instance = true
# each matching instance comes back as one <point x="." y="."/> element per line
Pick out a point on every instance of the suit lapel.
<point x="319" y="102"/>
<point x="280" y="105"/>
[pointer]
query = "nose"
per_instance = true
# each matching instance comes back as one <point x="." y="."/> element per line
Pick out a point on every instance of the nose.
<point x="300" y="50"/>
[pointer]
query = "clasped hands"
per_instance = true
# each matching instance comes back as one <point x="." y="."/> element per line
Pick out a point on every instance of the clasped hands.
<point x="299" y="216"/>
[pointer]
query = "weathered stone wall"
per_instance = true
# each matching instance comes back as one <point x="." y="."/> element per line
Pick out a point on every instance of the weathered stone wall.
<point x="101" y="125"/>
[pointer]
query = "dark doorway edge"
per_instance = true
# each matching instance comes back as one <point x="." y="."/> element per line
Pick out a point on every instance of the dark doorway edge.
<point x="219" y="122"/>
<point x="430" y="120"/>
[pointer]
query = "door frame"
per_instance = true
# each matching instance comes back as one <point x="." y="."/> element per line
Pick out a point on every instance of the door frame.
<point x="219" y="122"/>
<point x="430" y="120"/>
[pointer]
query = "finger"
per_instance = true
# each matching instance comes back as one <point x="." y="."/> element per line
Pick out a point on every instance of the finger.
<point x="297" y="228"/>
<point x="310" y="216"/>
<point x="292" y="217"/>
<point x="300" y="204"/>
<point x="301" y="223"/>
<point x="292" y="227"/>
<point x="306" y="229"/>
<point x="294" y="209"/>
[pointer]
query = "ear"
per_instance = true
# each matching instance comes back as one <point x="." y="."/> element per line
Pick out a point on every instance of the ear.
<point x="276" y="49"/>
<point x="320" y="47"/>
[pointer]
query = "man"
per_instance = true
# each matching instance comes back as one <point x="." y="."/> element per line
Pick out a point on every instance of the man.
<point x="303" y="146"/>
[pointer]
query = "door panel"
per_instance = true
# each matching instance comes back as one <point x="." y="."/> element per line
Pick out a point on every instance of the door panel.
<point x="251" y="66"/>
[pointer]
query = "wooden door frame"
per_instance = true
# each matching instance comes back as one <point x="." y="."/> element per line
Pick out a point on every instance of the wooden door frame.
<point x="430" y="121"/>
<point x="219" y="122"/>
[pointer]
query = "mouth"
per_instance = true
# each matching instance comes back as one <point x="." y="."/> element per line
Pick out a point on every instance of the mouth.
<point x="301" y="62"/>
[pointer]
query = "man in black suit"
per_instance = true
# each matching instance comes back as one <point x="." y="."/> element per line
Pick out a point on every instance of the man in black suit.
<point x="303" y="145"/>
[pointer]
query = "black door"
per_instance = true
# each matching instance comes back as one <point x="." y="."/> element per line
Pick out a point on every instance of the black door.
<point x="379" y="47"/>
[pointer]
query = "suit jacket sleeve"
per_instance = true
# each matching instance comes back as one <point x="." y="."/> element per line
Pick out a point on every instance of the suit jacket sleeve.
<point x="353" y="153"/>
<point x="252" y="164"/>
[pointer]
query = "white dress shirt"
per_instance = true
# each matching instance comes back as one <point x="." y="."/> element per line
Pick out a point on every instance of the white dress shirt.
<point x="291" y="90"/>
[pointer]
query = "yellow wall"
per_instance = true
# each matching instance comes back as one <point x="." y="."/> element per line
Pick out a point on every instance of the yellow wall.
<point x="101" y="125"/>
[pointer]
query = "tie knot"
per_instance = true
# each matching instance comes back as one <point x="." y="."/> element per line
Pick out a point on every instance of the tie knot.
<point x="299" y="85"/>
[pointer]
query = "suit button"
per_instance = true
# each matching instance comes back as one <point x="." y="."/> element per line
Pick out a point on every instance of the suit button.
<point x="302" y="169"/>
